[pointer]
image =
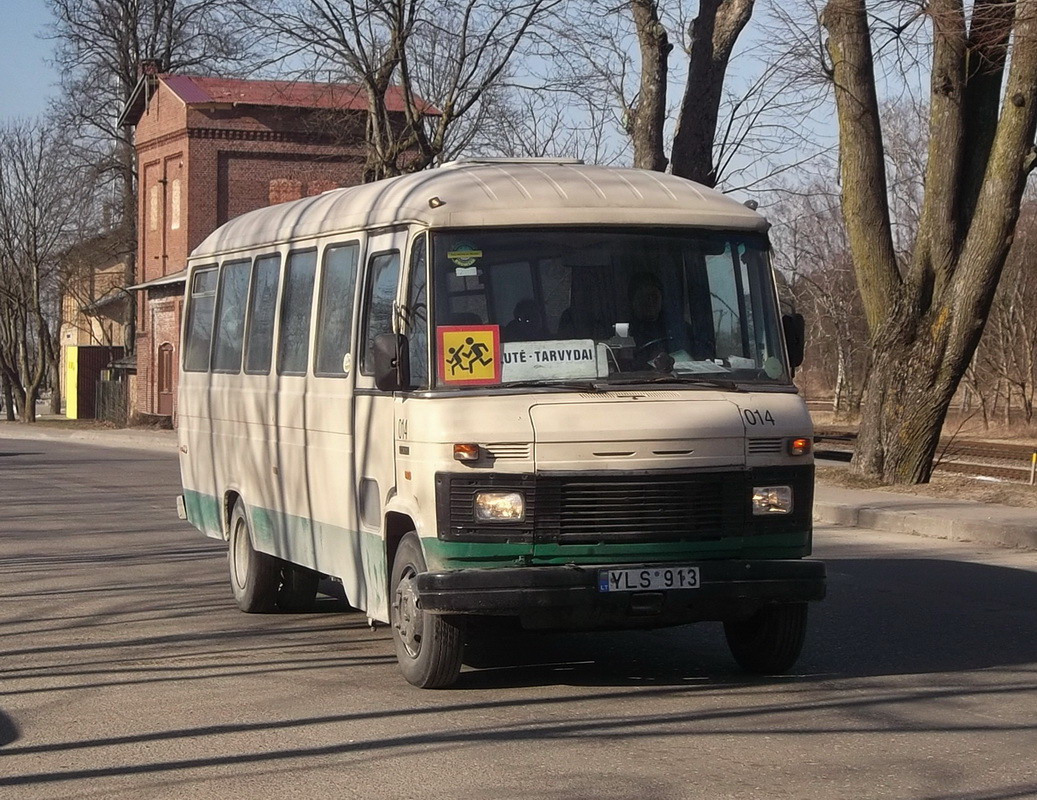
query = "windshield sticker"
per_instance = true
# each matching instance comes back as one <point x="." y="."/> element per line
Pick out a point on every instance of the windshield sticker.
<point x="464" y="254"/>
<point x="469" y="354"/>
<point x="571" y="359"/>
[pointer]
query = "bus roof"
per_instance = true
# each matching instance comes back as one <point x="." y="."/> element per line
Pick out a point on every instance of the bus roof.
<point x="492" y="193"/>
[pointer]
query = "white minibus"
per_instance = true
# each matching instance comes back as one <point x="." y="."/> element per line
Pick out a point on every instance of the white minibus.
<point x="518" y="390"/>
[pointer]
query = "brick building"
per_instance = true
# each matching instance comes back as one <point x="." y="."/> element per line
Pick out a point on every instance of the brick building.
<point x="210" y="149"/>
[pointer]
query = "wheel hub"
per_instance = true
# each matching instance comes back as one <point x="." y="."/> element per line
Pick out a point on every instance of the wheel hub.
<point x="240" y="554"/>
<point x="408" y="619"/>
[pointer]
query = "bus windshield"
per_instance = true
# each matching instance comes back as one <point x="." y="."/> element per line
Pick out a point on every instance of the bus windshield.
<point x="604" y="307"/>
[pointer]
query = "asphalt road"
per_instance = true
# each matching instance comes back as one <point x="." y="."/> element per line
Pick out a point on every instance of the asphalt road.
<point x="127" y="672"/>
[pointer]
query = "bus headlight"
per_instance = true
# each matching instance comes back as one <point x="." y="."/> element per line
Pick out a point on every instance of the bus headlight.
<point x="772" y="500"/>
<point x="500" y="507"/>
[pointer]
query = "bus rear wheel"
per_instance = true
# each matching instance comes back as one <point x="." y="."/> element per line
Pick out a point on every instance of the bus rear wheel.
<point x="429" y="647"/>
<point x="254" y="576"/>
<point x="770" y="641"/>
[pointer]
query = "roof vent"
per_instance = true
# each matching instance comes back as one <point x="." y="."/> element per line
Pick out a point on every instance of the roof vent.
<point x="468" y="162"/>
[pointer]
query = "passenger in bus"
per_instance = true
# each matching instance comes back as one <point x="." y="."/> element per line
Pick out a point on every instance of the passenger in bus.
<point x="528" y="324"/>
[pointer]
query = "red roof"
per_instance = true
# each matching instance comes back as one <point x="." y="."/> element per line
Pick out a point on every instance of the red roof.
<point x="288" y="94"/>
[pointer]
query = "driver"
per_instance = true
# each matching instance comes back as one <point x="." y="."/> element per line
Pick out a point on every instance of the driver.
<point x="646" y="307"/>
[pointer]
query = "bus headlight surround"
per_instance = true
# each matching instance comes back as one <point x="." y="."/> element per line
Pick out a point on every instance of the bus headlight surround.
<point x="500" y="507"/>
<point x="769" y="500"/>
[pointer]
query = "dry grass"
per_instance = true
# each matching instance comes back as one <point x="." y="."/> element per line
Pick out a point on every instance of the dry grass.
<point x="954" y="487"/>
<point x="957" y="427"/>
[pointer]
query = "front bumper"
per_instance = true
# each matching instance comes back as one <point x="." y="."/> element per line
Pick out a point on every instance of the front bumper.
<point x="568" y="598"/>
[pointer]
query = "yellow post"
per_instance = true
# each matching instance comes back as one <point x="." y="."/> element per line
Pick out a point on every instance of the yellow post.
<point x="1033" y="466"/>
<point x="72" y="382"/>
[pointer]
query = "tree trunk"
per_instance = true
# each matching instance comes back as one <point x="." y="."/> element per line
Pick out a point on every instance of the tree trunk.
<point x="8" y="399"/>
<point x="840" y="384"/>
<point x="647" y="119"/>
<point x="29" y="406"/>
<point x="713" y="35"/>
<point x="926" y="325"/>
<point x="902" y="412"/>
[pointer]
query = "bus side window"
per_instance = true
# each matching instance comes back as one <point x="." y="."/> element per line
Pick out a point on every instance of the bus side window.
<point x="293" y="346"/>
<point x="261" y="306"/>
<point x="335" y="312"/>
<point x="383" y="272"/>
<point x="230" y="316"/>
<point x="199" y="323"/>
<point x="417" y="320"/>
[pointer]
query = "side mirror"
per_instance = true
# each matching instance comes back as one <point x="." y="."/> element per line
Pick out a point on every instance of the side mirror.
<point x="391" y="362"/>
<point x="795" y="328"/>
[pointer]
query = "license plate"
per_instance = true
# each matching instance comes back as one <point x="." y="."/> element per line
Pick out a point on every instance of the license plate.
<point x="647" y="579"/>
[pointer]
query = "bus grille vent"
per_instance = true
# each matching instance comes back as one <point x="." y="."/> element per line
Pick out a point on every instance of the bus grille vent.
<point x="508" y="449"/>
<point x="758" y="446"/>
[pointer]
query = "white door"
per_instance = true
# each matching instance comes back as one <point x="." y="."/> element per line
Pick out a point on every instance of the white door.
<point x="374" y="432"/>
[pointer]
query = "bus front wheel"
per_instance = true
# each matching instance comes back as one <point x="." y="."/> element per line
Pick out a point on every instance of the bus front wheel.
<point x="428" y="646"/>
<point x="770" y="641"/>
<point x="254" y="576"/>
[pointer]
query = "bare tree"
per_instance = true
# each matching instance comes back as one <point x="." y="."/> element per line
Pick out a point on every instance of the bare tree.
<point x="926" y="314"/>
<point x="412" y="57"/>
<point x="736" y="134"/>
<point x="1005" y="365"/>
<point x="42" y="200"/>
<point x="100" y="47"/>
<point x="533" y="124"/>
<point x="813" y="255"/>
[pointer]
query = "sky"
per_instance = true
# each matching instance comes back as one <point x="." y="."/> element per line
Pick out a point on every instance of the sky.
<point x="27" y="82"/>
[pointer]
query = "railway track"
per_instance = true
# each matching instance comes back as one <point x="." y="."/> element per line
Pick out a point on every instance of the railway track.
<point x="1009" y="462"/>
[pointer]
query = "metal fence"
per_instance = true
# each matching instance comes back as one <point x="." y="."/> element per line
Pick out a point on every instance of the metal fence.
<point x="113" y="401"/>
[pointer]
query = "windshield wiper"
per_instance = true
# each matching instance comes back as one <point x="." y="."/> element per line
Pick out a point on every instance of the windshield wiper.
<point x="693" y="380"/>
<point x="579" y="386"/>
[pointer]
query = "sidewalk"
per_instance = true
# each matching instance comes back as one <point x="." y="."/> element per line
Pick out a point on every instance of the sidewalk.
<point x="936" y="517"/>
<point x="137" y="438"/>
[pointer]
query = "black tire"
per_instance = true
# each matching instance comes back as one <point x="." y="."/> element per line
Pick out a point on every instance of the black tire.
<point x="298" y="589"/>
<point x="770" y="641"/>
<point x="428" y="646"/>
<point x="254" y="576"/>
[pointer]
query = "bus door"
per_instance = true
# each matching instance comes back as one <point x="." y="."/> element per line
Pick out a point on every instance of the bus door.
<point x="374" y="419"/>
<point x="328" y="421"/>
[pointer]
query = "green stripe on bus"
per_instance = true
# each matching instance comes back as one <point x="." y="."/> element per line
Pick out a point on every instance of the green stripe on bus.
<point x="203" y="511"/>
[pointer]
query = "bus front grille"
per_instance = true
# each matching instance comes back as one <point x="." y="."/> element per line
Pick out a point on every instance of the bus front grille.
<point x="656" y="507"/>
<point x="593" y="508"/>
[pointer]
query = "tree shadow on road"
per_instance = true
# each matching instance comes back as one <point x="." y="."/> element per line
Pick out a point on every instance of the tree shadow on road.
<point x="881" y="617"/>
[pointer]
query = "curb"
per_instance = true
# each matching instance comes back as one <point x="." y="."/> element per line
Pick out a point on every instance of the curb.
<point x="1003" y="533"/>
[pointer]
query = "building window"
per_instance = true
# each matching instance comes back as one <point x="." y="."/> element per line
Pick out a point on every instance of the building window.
<point x="153" y="207"/>
<point x="293" y="350"/>
<point x="335" y="313"/>
<point x="283" y="190"/>
<point x="174" y="202"/>
<point x="319" y="187"/>
<point x="199" y="322"/>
